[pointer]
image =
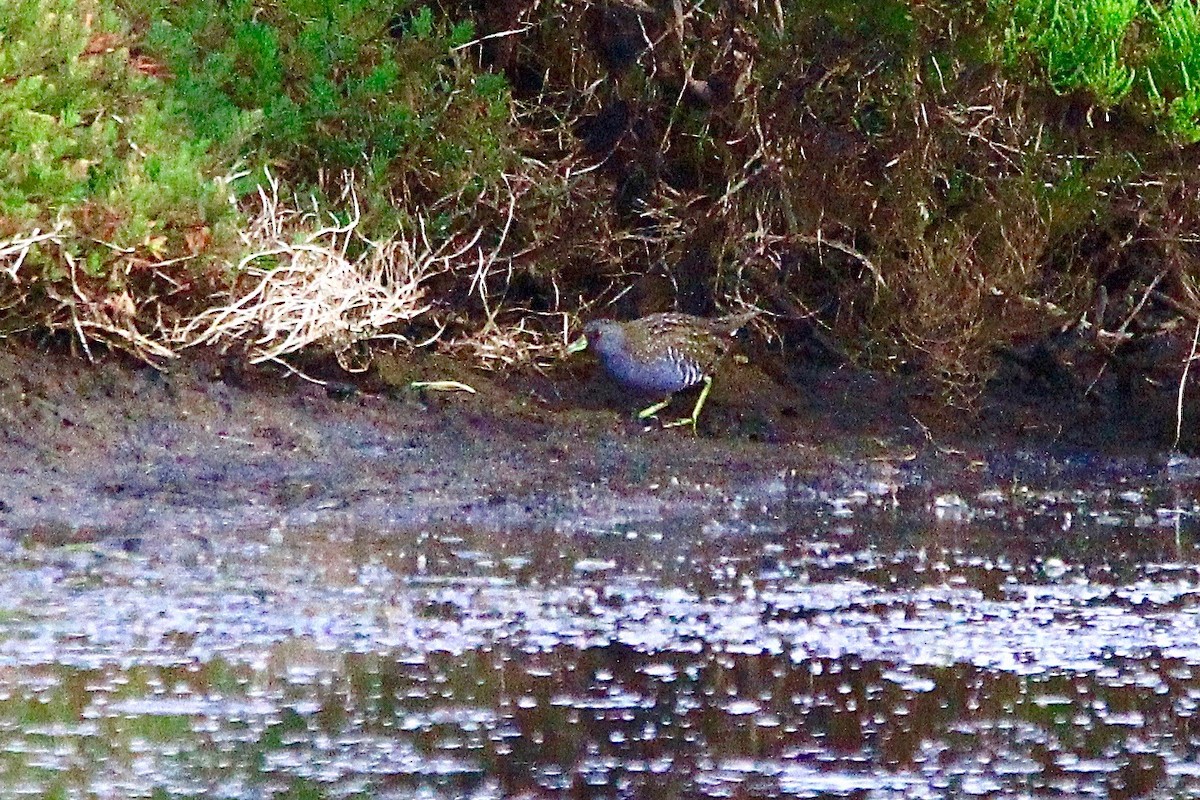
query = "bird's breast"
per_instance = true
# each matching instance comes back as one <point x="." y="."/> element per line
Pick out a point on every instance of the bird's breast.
<point x="668" y="371"/>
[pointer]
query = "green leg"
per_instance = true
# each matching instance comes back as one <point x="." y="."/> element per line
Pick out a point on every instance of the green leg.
<point x="650" y="411"/>
<point x="695" y="411"/>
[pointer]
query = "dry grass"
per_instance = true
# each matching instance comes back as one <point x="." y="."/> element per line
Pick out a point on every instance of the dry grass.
<point x="293" y="291"/>
<point x="522" y="343"/>
<point x="92" y="311"/>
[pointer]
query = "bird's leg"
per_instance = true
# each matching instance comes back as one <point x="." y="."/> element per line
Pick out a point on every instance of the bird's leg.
<point x="696" y="410"/>
<point x="650" y="411"/>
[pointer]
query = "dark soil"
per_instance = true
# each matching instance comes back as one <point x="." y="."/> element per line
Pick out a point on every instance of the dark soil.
<point x="119" y="449"/>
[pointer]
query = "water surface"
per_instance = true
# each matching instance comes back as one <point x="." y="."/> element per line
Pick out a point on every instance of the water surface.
<point x="1007" y="634"/>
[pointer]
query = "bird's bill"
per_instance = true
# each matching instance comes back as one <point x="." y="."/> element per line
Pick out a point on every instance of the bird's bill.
<point x="577" y="346"/>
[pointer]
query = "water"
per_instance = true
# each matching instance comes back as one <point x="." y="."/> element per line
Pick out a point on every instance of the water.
<point x="981" y="637"/>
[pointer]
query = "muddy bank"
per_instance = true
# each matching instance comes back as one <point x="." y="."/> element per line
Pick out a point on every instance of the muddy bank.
<point x="118" y="449"/>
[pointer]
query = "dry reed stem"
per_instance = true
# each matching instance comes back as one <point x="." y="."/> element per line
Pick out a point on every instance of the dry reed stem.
<point x="1187" y="365"/>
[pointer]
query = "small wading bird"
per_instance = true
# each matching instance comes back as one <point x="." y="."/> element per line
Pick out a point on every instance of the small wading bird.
<point x="664" y="353"/>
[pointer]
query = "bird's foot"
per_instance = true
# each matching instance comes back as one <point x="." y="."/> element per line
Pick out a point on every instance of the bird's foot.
<point x="651" y="412"/>
<point x="681" y="422"/>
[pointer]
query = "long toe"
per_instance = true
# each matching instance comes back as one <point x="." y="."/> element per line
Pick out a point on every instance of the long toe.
<point x="650" y="411"/>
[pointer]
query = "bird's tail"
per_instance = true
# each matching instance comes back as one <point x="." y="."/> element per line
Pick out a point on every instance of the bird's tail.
<point x="735" y="322"/>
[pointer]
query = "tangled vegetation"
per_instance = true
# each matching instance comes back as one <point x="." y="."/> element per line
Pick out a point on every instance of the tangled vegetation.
<point x="931" y="185"/>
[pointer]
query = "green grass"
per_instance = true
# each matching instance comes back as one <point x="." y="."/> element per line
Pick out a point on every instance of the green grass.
<point x="1173" y="71"/>
<point x="1079" y="45"/>
<point x="1118" y="51"/>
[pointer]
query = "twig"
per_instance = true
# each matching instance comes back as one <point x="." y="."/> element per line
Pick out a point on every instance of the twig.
<point x="820" y="241"/>
<point x="496" y="35"/>
<point x="1175" y="305"/>
<point x="298" y="373"/>
<point x="22" y="245"/>
<point x="1182" y="385"/>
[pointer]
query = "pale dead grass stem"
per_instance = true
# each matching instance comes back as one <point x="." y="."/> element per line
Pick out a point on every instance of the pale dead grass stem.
<point x="310" y="290"/>
<point x="14" y="251"/>
<point x="499" y="347"/>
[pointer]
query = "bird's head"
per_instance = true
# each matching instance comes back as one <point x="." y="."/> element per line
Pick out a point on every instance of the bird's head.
<point x="600" y="336"/>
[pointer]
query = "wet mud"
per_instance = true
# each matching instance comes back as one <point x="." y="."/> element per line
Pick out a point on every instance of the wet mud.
<point x="217" y="583"/>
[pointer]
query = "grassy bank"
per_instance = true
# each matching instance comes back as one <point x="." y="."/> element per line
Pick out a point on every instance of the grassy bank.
<point x="929" y="185"/>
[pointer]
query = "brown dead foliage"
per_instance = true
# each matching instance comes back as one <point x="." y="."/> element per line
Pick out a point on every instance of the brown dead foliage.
<point x="880" y="177"/>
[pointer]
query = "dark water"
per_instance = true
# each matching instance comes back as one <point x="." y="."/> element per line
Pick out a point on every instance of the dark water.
<point x="1016" y="639"/>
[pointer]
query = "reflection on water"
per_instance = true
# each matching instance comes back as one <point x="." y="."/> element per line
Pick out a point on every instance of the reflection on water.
<point x="880" y="644"/>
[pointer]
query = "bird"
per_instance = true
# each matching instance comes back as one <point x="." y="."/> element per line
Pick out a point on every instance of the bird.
<point x="663" y="353"/>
